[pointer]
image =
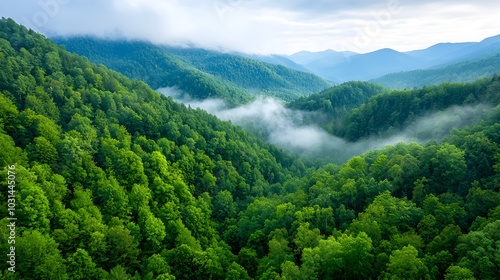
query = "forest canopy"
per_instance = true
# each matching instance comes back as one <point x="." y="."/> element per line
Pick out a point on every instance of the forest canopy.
<point x="115" y="181"/>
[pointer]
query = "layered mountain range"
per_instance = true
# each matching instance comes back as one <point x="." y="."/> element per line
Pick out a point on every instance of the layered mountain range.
<point x="347" y="66"/>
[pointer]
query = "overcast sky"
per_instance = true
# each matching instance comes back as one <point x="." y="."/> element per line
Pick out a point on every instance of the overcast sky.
<point x="267" y="26"/>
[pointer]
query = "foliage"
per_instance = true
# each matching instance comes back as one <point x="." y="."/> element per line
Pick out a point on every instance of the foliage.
<point x="115" y="181"/>
<point x="200" y="73"/>
<point x="398" y="109"/>
<point x="462" y="72"/>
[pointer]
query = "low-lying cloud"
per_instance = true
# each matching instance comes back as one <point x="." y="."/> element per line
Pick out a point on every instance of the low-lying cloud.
<point x="284" y="127"/>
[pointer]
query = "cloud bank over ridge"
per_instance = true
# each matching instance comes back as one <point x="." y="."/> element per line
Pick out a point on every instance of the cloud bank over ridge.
<point x="258" y="26"/>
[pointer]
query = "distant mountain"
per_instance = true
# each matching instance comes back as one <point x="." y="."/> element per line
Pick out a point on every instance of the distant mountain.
<point x="320" y="62"/>
<point x="254" y="75"/>
<point x="156" y="67"/>
<point x="486" y="47"/>
<point x="197" y="72"/>
<point x="347" y="66"/>
<point x="461" y="72"/>
<point x="342" y="67"/>
<point x="439" y="51"/>
<point x="309" y="58"/>
<point x="278" y="60"/>
<point x="364" y="67"/>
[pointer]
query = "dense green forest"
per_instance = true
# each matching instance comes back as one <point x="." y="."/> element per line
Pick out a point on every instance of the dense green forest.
<point x="396" y="110"/>
<point x="331" y="105"/>
<point x="356" y="110"/>
<point x="158" y="68"/>
<point x="200" y="73"/>
<point x="115" y="181"/>
<point x="256" y="76"/>
<point x="462" y="72"/>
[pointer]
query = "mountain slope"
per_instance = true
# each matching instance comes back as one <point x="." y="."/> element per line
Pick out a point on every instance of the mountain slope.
<point x="371" y="65"/>
<point x="400" y="108"/>
<point x="111" y="180"/>
<point x="200" y="73"/>
<point x="310" y="58"/>
<point x="485" y="48"/>
<point x="332" y="104"/>
<point x="278" y="60"/>
<point x="342" y="68"/>
<point x="253" y="75"/>
<point x="439" y="51"/>
<point x="336" y="67"/>
<point x="319" y="63"/>
<point x="461" y="72"/>
<point x="159" y="69"/>
<point x="110" y="174"/>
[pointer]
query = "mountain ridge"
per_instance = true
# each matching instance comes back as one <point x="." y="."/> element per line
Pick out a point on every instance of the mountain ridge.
<point x="112" y="180"/>
<point x="213" y="74"/>
<point x="357" y="66"/>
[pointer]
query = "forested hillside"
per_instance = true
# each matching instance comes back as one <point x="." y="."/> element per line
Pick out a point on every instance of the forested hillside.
<point x="158" y="68"/>
<point x="399" y="108"/>
<point x="256" y="76"/>
<point x="461" y="72"/>
<point x="110" y="173"/>
<point x="334" y="103"/>
<point x="115" y="181"/>
<point x="200" y="73"/>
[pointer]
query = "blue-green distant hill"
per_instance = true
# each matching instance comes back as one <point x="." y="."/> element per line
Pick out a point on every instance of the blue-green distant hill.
<point x="198" y="72"/>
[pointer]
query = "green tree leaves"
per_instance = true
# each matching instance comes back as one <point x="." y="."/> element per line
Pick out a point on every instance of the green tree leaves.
<point x="114" y="181"/>
<point x="405" y="264"/>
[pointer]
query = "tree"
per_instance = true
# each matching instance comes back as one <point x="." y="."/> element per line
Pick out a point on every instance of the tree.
<point x="33" y="210"/>
<point x="139" y="197"/>
<point x="122" y="248"/>
<point x="306" y="237"/>
<point x="447" y="240"/>
<point x="33" y="125"/>
<point x="38" y="256"/>
<point x="357" y="257"/>
<point x="53" y="185"/>
<point x="248" y="259"/>
<point x="42" y="151"/>
<point x="323" y="261"/>
<point x="448" y="169"/>
<point x="81" y="266"/>
<point x="236" y="272"/>
<point x="455" y="272"/>
<point x="279" y="252"/>
<point x="405" y="264"/>
<point x="224" y="206"/>
<point x="290" y="271"/>
<point x="153" y="230"/>
<point x="478" y="251"/>
<point x="385" y="216"/>
<point x="157" y="265"/>
<point x="118" y="273"/>
<point x="184" y="262"/>
<point x="113" y="199"/>
<point x="9" y="153"/>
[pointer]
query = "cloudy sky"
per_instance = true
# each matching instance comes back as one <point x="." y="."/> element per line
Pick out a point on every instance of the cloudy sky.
<point x="267" y="26"/>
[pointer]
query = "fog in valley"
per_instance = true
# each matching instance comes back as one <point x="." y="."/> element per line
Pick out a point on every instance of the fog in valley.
<point x="270" y="118"/>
